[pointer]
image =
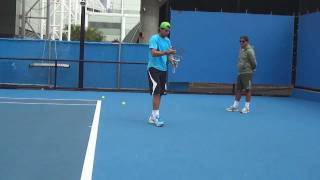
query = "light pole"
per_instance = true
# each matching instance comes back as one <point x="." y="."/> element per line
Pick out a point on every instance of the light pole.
<point x="82" y="38"/>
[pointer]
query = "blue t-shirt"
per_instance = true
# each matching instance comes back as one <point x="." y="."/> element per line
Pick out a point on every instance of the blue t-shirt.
<point x="160" y="44"/>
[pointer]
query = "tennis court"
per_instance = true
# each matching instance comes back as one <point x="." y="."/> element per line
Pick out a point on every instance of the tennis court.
<point x="73" y="108"/>
<point x="43" y="137"/>
<point x="46" y="138"/>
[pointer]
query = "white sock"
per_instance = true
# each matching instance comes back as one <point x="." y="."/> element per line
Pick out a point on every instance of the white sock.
<point x="236" y="104"/>
<point x="155" y="113"/>
<point x="247" y="105"/>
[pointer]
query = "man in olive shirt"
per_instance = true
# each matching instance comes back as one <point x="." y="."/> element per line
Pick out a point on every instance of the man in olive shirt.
<point x="246" y="66"/>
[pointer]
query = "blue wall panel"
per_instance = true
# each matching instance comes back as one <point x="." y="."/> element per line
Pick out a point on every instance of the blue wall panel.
<point x="21" y="48"/>
<point x="134" y="76"/>
<point x="209" y="48"/>
<point x="69" y="51"/>
<point x="209" y="44"/>
<point x="309" y="51"/>
<point x="96" y="75"/>
<point x="135" y="52"/>
<point x="19" y="72"/>
<point x="13" y="71"/>
<point x="100" y="75"/>
<point x="101" y="51"/>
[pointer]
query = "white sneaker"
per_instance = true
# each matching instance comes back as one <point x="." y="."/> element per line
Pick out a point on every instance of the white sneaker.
<point x="232" y="109"/>
<point x="155" y="121"/>
<point x="151" y="120"/>
<point x="245" y="110"/>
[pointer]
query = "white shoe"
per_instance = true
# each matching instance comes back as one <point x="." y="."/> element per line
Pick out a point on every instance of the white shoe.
<point x="151" y="120"/>
<point x="232" y="109"/>
<point x="245" y="110"/>
<point x="155" y="121"/>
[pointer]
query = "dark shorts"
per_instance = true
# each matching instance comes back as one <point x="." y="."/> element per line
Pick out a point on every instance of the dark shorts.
<point x="244" y="82"/>
<point x="157" y="81"/>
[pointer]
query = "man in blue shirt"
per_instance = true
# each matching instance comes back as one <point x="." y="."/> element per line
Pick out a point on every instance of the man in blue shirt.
<point x="160" y="53"/>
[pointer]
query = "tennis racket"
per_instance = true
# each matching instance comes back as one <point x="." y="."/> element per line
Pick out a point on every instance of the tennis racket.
<point x="176" y="60"/>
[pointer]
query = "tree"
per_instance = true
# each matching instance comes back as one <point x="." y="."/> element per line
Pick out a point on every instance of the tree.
<point x="92" y="34"/>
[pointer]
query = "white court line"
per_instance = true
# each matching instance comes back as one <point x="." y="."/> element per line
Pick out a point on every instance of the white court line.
<point x="49" y="99"/>
<point x="91" y="148"/>
<point x="55" y="104"/>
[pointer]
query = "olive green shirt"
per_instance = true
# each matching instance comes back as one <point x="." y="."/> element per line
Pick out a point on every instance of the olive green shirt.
<point x="247" y="60"/>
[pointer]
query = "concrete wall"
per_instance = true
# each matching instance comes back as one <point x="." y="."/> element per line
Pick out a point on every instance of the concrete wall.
<point x="150" y="17"/>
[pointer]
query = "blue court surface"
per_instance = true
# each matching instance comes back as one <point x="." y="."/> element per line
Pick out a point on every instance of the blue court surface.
<point x="67" y="135"/>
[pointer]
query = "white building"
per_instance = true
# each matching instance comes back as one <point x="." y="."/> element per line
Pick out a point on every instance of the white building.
<point x="122" y="17"/>
<point x="114" y="18"/>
